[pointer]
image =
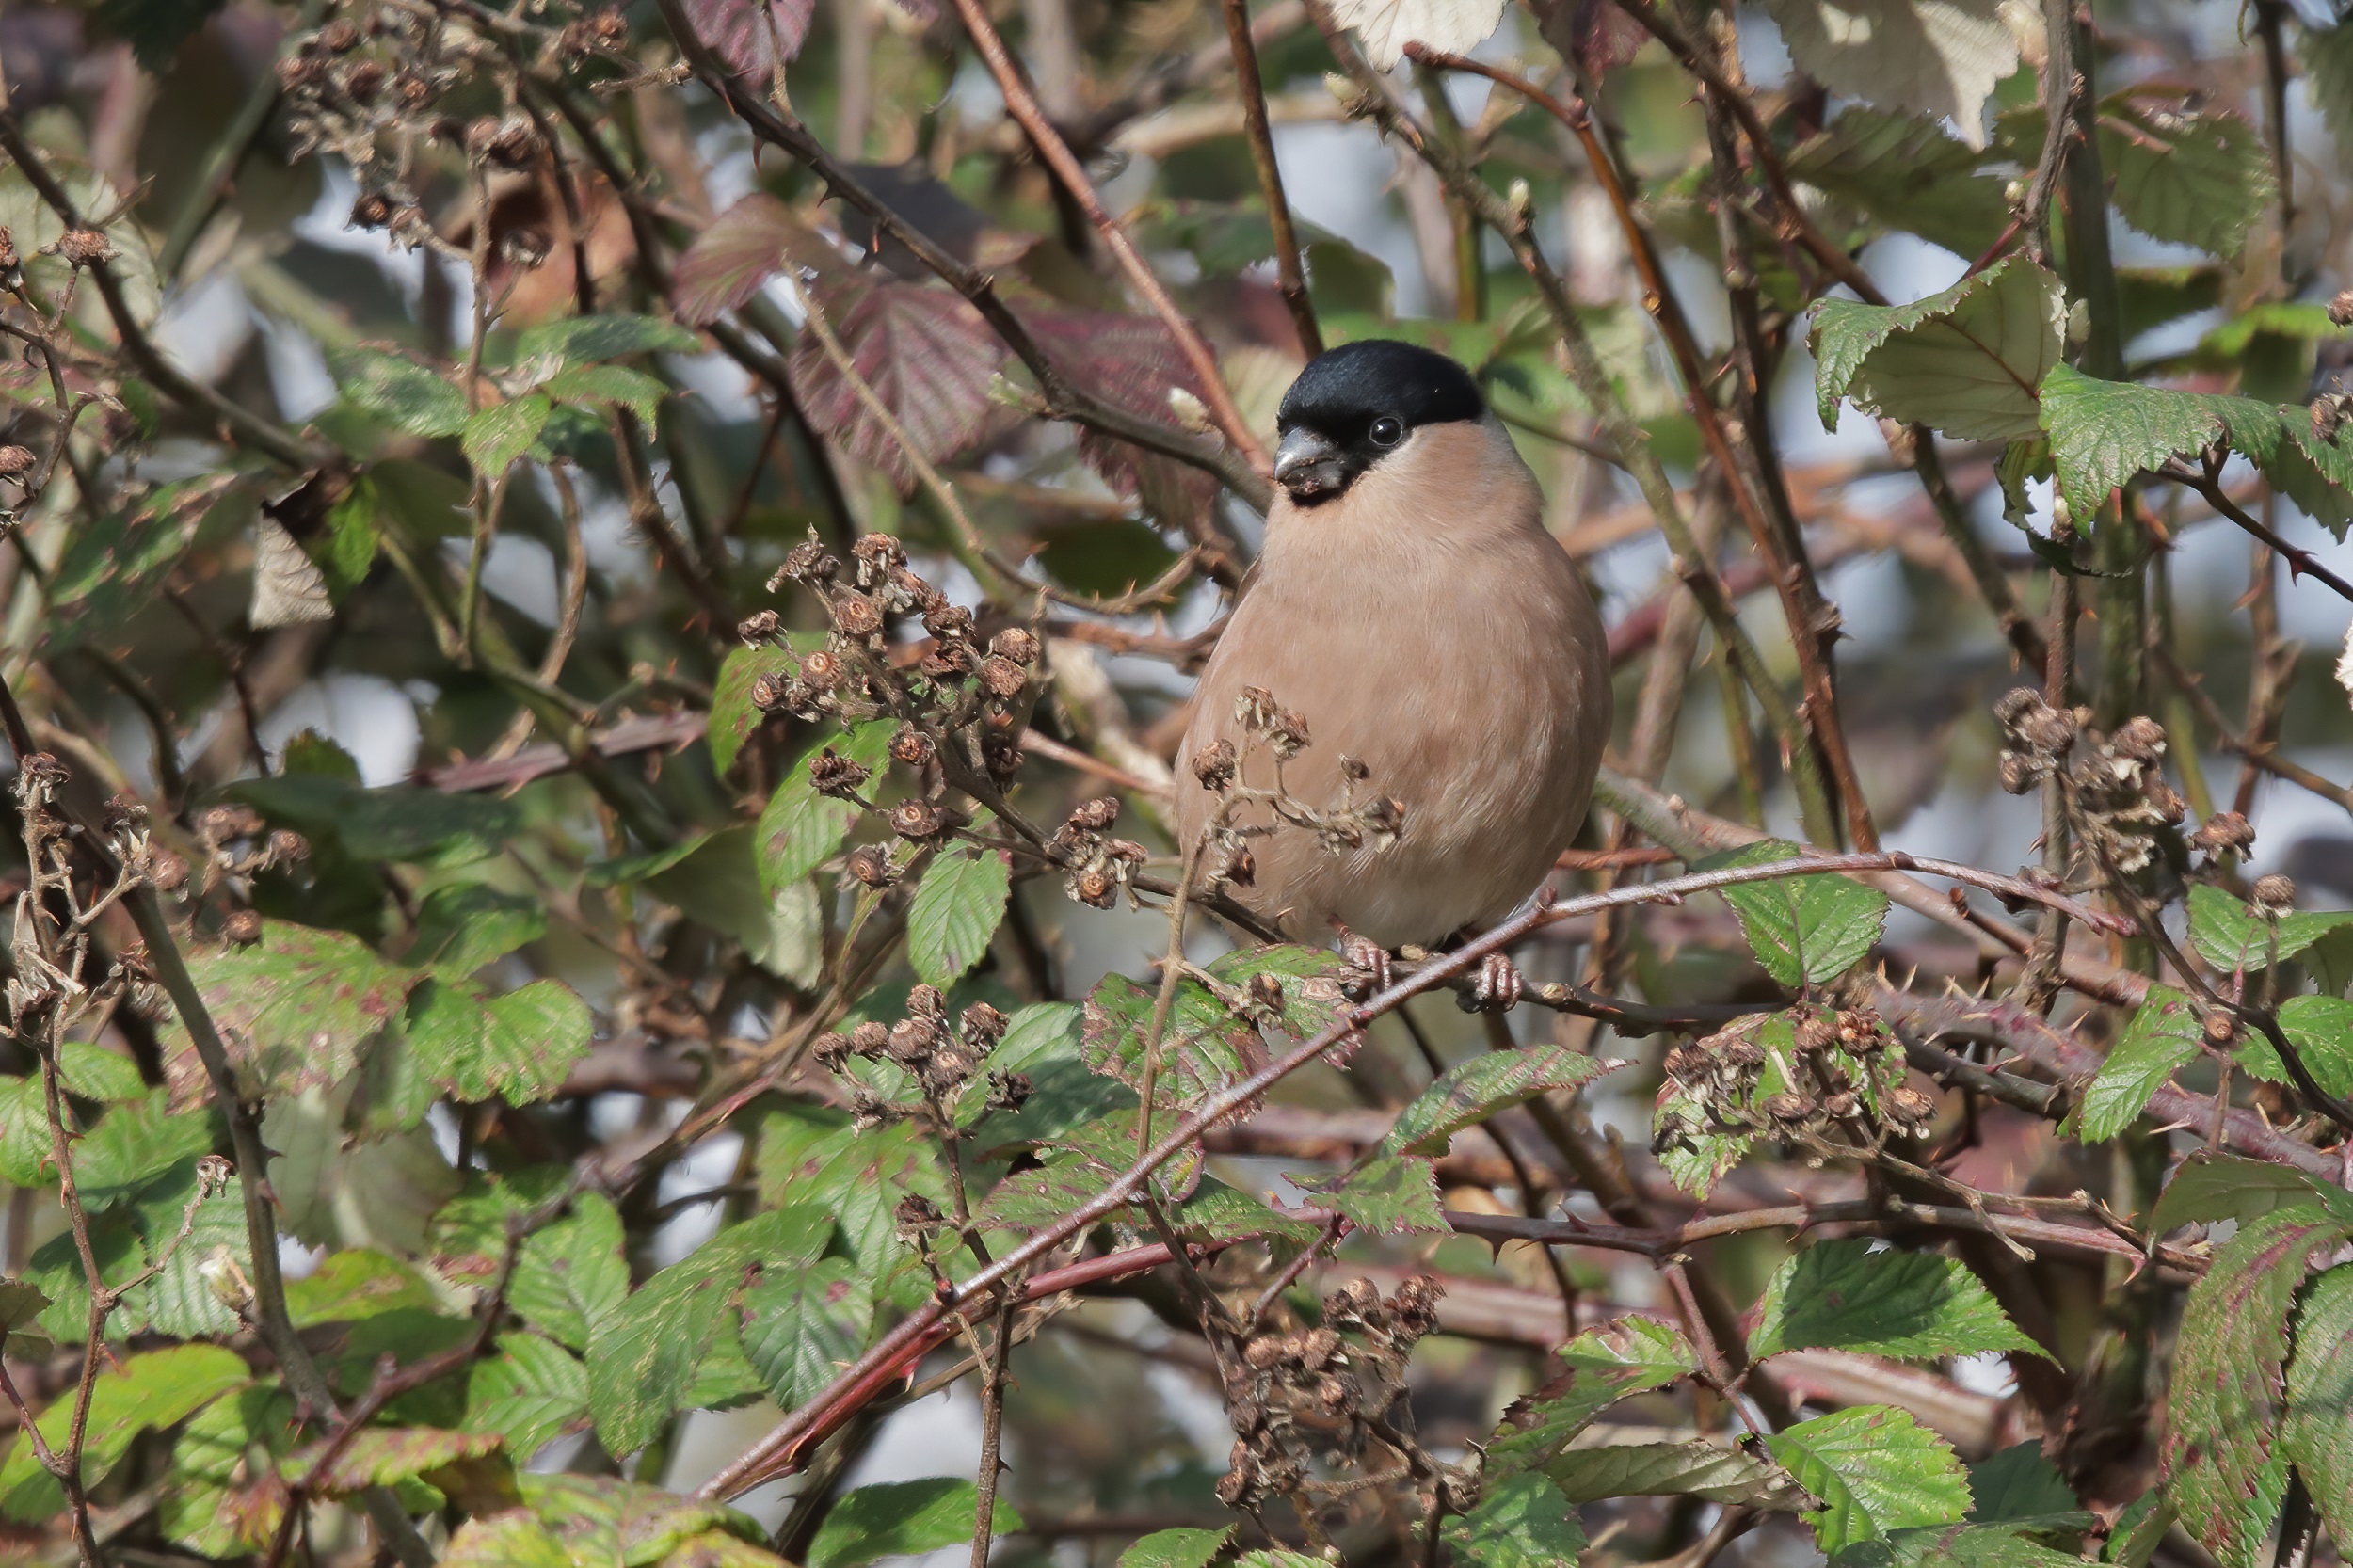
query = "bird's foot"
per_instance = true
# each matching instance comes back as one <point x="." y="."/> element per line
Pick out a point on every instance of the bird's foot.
<point x="1498" y="987"/>
<point x="1368" y="958"/>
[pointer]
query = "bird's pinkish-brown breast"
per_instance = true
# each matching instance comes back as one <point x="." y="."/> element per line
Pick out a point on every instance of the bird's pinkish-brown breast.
<point x="1425" y="626"/>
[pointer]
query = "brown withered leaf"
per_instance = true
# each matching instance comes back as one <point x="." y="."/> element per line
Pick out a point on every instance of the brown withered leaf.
<point x="741" y="249"/>
<point x="925" y="350"/>
<point x="747" y="34"/>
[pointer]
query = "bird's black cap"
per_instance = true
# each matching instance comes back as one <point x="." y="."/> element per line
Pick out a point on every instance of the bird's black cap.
<point x="1353" y="406"/>
<point x="1344" y="389"/>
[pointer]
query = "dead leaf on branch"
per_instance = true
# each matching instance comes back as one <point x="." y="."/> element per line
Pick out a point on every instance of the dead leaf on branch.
<point x="1133" y="363"/>
<point x="752" y="38"/>
<point x="927" y="355"/>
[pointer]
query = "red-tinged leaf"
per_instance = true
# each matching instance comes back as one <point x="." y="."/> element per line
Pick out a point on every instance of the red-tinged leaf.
<point x="928" y="356"/>
<point x="748" y="35"/>
<point x="1133" y="364"/>
<point x="2218" y="1459"/>
<point x="743" y="249"/>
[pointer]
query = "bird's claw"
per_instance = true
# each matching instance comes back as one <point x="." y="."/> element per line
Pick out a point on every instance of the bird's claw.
<point x="1368" y="958"/>
<point x="1498" y="987"/>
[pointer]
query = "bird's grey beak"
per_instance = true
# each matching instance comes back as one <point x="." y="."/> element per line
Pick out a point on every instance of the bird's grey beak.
<point x="1308" y="465"/>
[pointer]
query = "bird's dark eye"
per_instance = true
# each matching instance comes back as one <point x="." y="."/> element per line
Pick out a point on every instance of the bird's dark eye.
<point x="1387" y="431"/>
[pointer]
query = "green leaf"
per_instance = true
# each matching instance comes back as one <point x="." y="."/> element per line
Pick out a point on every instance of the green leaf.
<point x="901" y="1519"/>
<point x="96" y="1072"/>
<point x="572" y="1273"/>
<point x="719" y="884"/>
<point x="1876" y="1469"/>
<point x="604" y="1520"/>
<point x="599" y="386"/>
<point x="465" y="925"/>
<point x="2218" y="1458"/>
<point x="518" y="1047"/>
<point x="585" y="339"/>
<point x="733" y="714"/>
<point x="1386" y="1194"/>
<point x="298" y="1006"/>
<point x="955" y="911"/>
<point x="1470" y="1092"/>
<point x="180" y="1300"/>
<point x="2317" y="1434"/>
<point x="2018" y="1484"/>
<point x="2141" y="1525"/>
<point x="1213" y="1036"/>
<point x="1967" y="360"/>
<point x="510" y="1540"/>
<point x="801" y="1328"/>
<point x="19" y="1305"/>
<point x="1914" y="1306"/>
<point x="1176" y="1549"/>
<point x="622" y="870"/>
<point x="2165" y="1036"/>
<point x="1522" y="1522"/>
<point x="1939" y="59"/>
<point x="2102" y="433"/>
<point x="2227" y="934"/>
<point x="398" y="390"/>
<point x="380" y="1456"/>
<point x="1805" y="930"/>
<point x="2207" y="1187"/>
<point x="1616" y="1361"/>
<point x="531" y="1393"/>
<point x="1715" y="1471"/>
<point x="356" y="1283"/>
<point x="226" y="1499"/>
<point x="2321" y="1030"/>
<point x="420" y="827"/>
<point x="801" y="829"/>
<point x="2201" y="179"/>
<point x="2327" y="58"/>
<point x="133" y="1144"/>
<point x="648" y="1350"/>
<point x="1906" y="171"/>
<point x="503" y="433"/>
<point x="153" y="1389"/>
<point x="1954" y="1546"/>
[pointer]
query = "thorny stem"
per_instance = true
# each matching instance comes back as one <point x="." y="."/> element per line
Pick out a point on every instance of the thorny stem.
<point x="1219" y="1104"/>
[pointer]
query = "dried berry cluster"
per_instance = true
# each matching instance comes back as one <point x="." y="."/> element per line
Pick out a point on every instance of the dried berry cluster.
<point x="1099" y="866"/>
<point x="366" y="91"/>
<point x="369" y="87"/>
<point x="1359" y="819"/>
<point x="961" y="702"/>
<point x="1840" y="1071"/>
<point x="57" y="974"/>
<point x="941" y="1057"/>
<point x="1315" y="1402"/>
<point x="2114" y="786"/>
<point x="237" y="843"/>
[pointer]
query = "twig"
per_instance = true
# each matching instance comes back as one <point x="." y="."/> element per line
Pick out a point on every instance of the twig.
<point x="1290" y="277"/>
<point x="263" y="434"/>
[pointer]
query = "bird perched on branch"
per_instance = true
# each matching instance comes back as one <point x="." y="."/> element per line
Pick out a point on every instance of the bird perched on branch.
<point x="1398" y="733"/>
